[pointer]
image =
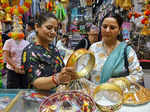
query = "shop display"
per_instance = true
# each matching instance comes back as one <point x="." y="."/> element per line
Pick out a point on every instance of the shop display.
<point x="72" y="101"/>
<point x="60" y="12"/>
<point x="1" y="51"/>
<point x="16" y="100"/>
<point x="108" y="97"/>
<point x="82" y="85"/>
<point x="80" y="95"/>
<point x="34" y="96"/>
<point x="137" y="95"/>
<point x="146" y="20"/>
<point x="17" y="32"/>
<point x="16" y="10"/>
<point x="123" y="83"/>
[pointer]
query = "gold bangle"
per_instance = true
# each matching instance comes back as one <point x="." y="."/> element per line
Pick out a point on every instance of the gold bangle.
<point x="109" y="87"/>
<point x="74" y="58"/>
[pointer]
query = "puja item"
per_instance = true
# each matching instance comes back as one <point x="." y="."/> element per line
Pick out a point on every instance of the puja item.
<point x="17" y="31"/>
<point x="8" y="18"/>
<point x="122" y="82"/>
<point x="72" y="101"/>
<point x="136" y="95"/>
<point x="83" y="61"/>
<point x="145" y="31"/>
<point x="82" y="85"/>
<point x="34" y="96"/>
<point x="108" y="97"/>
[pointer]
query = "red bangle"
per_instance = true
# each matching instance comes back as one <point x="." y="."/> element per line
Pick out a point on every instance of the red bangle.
<point x="54" y="80"/>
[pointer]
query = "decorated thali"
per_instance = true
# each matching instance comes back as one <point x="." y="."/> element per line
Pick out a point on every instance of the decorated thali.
<point x="108" y="97"/>
<point x="83" y="61"/>
<point x="72" y="101"/>
<point x="137" y="95"/>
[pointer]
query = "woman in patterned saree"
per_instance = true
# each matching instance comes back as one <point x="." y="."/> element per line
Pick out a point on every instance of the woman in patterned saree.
<point x="109" y="54"/>
<point x="41" y="60"/>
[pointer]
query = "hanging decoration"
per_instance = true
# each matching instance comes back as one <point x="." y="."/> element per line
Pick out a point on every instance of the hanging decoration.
<point x="118" y="3"/>
<point x="1" y="56"/>
<point x="146" y="20"/>
<point x="60" y="12"/>
<point x="15" y="2"/>
<point x="2" y="14"/>
<point x="90" y="2"/>
<point x="16" y="10"/>
<point x="49" y="5"/>
<point x="133" y="14"/>
<point x="16" y="33"/>
<point x="8" y="18"/>
<point x="125" y="4"/>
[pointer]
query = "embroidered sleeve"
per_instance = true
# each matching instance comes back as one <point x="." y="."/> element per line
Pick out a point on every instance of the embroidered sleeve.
<point x="136" y="73"/>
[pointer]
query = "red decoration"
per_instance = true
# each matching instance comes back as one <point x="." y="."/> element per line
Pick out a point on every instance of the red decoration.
<point x="135" y="14"/>
<point x="20" y="9"/>
<point x="27" y="4"/>
<point x="144" y="21"/>
<point x="147" y="12"/>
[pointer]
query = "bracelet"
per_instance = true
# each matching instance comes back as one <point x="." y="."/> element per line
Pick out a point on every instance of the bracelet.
<point x="55" y="81"/>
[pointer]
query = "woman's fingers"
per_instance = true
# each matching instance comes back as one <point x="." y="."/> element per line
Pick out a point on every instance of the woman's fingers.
<point x="71" y="72"/>
<point x="64" y="77"/>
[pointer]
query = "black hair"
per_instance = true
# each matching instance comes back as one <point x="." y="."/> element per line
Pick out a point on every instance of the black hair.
<point x="119" y="20"/>
<point x="65" y="36"/>
<point x="116" y="16"/>
<point x="31" y="24"/>
<point x="43" y="17"/>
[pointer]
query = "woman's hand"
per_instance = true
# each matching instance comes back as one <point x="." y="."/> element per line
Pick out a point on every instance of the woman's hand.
<point x="111" y="79"/>
<point x="19" y="70"/>
<point x="66" y="75"/>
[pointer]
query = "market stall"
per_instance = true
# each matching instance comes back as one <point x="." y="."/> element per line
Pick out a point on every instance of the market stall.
<point x="28" y="105"/>
<point x="80" y="95"/>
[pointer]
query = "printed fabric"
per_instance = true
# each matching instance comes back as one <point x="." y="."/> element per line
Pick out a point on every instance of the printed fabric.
<point x="39" y="62"/>
<point x="135" y="70"/>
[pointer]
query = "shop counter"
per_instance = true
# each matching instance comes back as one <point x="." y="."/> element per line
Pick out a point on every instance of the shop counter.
<point x="21" y="100"/>
<point x="24" y="101"/>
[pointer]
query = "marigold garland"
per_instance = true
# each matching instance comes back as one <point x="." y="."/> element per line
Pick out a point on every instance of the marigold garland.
<point x="16" y="10"/>
<point x="135" y="14"/>
<point x="1" y="56"/>
<point x="16" y="35"/>
<point x="146" y="20"/>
